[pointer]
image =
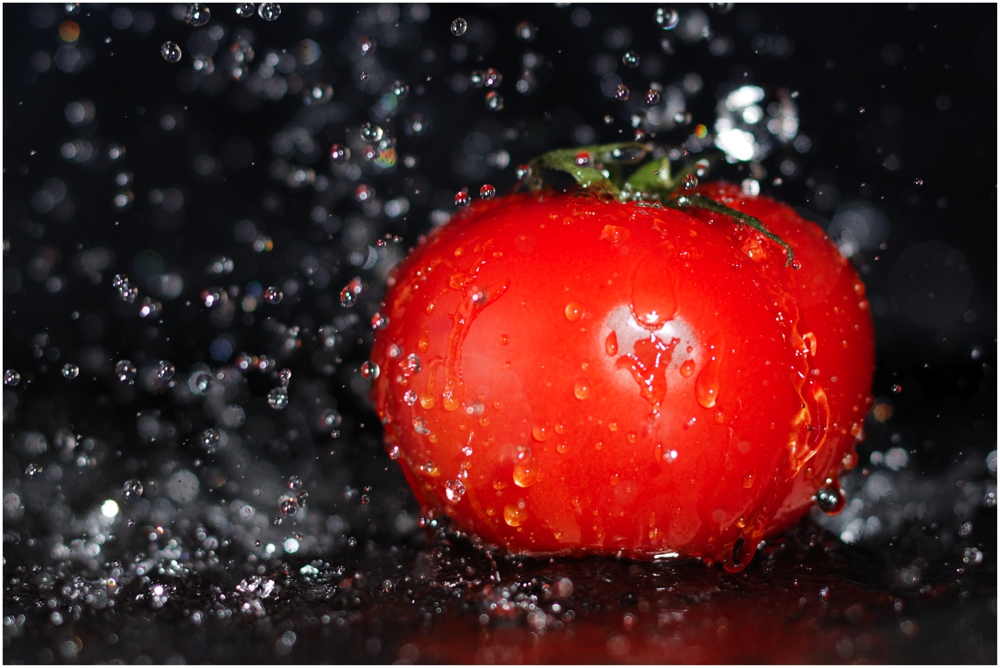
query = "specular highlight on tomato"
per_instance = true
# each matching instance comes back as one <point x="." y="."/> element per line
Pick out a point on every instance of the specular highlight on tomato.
<point x="568" y="373"/>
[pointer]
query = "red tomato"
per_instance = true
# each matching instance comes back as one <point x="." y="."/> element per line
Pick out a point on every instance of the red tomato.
<point x="567" y="374"/>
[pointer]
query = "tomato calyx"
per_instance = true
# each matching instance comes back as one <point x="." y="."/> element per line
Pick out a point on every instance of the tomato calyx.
<point x="600" y="169"/>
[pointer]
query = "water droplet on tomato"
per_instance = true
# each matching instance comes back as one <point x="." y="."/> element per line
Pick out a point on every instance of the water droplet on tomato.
<point x="541" y="432"/>
<point x="574" y="311"/>
<point x="687" y="368"/>
<point x="454" y="490"/>
<point x="426" y="400"/>
<point x="611" y="344"/>
<point x="581" y="390"/>
<point x="830" y="498"/>
<point x="410" y="397"/>
<point x="525" y="473"/>
<point x="748" y="479"/>
<point x="652" y="284"/>
<point x="562" y="448"/>
<point x="423" y="344"/>
<point x="809" y="339"/>
<point x="706" y="386"/>
<point x="515" y="514"/>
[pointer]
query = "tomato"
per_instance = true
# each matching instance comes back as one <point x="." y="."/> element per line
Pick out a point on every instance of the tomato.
<point x="569" y="374"/>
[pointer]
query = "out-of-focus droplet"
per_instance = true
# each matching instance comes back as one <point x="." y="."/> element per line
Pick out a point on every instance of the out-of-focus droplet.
<point x="70" y="371"/>
<point x="33" y="470"/>
<point x="621" y="92"/>
<point x="494" y="101"/>
<point x="11" y="378"/>
<point x="245" y="10"/>
<point x="210" y="439"/>
<point x="131" y="490"/>
<point x="459" y="26"/>
<point x="690" y="181"/>
<point x="170" y="52"/>
<point x="278" y="398"/>
<point x="492" y="78"/>
<point x="525" y="31"/>
<point x="750" y="187"/>
<point x="340" y="154"/>
<point x="652" y="96"/>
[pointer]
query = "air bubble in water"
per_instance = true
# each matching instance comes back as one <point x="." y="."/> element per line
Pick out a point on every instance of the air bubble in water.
<point x="273" y="295"/>
<point x="245" y="10"/>
<point x="131" y="490"/>
<point x="70" y="371"/>
<point x="170" y="52"/>
<point x="11" y="378"/>
<point x="269" y="11"/>
<point x="125" y="371"/>
<point x="278" y="398"/>
<point x="351" y="293"/>
<point x="165" y="370"/>
<point x="487" y="191"/>
<point x="494" y="101"/>
<point x="667" y="18"/>
<point x="197" y="15"/>
<point x="459" y="26"/>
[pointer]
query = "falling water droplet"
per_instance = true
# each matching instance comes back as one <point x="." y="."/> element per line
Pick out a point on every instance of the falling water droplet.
<point x="459" y="26"/>
<point x="131" y="490"/>
<point x="170" y="52"/>
<point x="830" y="498"/>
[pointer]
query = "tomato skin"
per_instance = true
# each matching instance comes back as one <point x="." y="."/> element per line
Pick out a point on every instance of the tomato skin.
<point x="565" y="374"/>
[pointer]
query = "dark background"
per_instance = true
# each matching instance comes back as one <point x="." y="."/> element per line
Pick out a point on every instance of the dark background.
<point x="119" y="162"/>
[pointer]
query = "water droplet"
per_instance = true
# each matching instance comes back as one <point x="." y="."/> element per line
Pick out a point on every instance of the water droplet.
<point x="706" y="386"/>
<point x="350" y="294"/>
<point x="379" y="321"/>
<point x="412" y="363"/>
<point x="245" y="10"/>
<point x="131" y="490"/>
<point x="400" y="89"/>
<point x="494" y="101"/>
<point x="515" y="514"/>
<point x="269" y="11"/>
<point x="748" y="479"/>
<point x="288" y="507"/>
<point x="492" y="78"/>
<point x="200" y="381"/>
<point x="687" y="368"/>
<point x="611" y="344"/>
<point x="652" y="96"/>
<point x="197" y="15"/>
<point x="690" y="181"/>
<point x="11" y="378"/>
<point x="667" y="18"/>
<point x="70" y="371"/>
<point x="581" y="390"/>
<point x="165" y="370"/>
<point x="285" y="377"/>
<point x="210" y="439"/>
<point x="487" y="191"/>
<point x="621" y="92"/>
<point x="410" y="397"/>
<point x="370" y="370"/>
<point x="830" y="498"/>
<point x="573" y="311"/>
<point x="630" y="59"/>
<point x="918" y="182"/>
<point x="170" y="52"/>
<point x="454" y="490"/>
<point x="523" y="172"/>
<point x="896" y="389"/>
<point x="750" y="187"/>
<point x="33" y="470"/>
<point x="278" y="398"/>
<point x="459" y="26"/>
<point x="273" y="295"/>
<point x="525" y="31"/>
<point x="462" y="198"/>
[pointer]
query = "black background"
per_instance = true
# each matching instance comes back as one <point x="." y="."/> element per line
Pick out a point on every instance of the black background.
<point x="898" y="101"/>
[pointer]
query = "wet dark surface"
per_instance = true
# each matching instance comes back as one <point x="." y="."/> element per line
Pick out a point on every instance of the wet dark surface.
<point x="117" y="162"/>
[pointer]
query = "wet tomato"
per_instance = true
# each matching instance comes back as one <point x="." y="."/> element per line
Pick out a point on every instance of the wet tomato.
<point x="569" y="374"/>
